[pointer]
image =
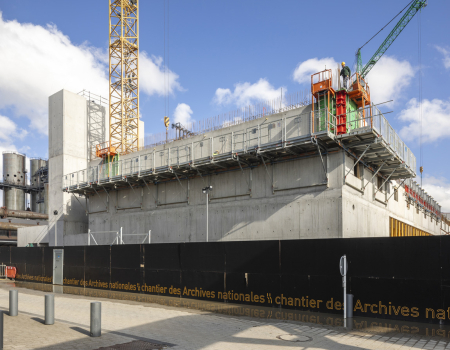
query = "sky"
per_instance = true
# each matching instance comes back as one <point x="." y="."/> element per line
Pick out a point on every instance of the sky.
<point x="222" y="55"/>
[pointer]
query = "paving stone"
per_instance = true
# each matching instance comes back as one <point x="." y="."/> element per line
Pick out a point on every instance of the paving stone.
<point x="125" y="323"/>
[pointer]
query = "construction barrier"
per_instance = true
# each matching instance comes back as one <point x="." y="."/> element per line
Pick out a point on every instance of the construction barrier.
<point x="404" y="278"/>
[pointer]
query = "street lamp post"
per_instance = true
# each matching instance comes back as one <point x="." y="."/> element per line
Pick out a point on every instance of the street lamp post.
<point x="56" y="227"/>
<point x="206" y="190"/>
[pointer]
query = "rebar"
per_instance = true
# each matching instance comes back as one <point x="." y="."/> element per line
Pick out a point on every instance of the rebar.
<point x="235" y="117"/>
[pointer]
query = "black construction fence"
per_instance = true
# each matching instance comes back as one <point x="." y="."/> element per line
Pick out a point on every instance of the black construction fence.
<point x="405" y="278"/>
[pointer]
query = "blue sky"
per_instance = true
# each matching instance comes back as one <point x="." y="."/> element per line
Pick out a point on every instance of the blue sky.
<point x="252" y="48"/>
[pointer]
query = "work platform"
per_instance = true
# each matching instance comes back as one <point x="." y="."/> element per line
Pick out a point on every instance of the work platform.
<point x="25" y="188"/>
<point x="299" y="132"/>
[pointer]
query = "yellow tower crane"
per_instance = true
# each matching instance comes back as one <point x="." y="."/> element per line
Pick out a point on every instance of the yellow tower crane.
<point x="123" y="76"/>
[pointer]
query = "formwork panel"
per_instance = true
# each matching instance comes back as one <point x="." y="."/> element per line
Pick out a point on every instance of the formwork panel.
<point x="298" y="125"/>
<point x="239" y="141"/>
<point x="202" y="149"/>
<point x="252" y="137"/>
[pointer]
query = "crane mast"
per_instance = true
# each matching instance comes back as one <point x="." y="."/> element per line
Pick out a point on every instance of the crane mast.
<point x="409" y="14"/>
<point x="123" y="76"/>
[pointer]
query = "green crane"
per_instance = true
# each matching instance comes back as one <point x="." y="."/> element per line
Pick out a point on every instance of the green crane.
<point x="416" y="6"/>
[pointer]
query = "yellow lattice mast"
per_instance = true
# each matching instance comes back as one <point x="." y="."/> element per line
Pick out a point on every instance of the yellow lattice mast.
<point x="124" y="75"/>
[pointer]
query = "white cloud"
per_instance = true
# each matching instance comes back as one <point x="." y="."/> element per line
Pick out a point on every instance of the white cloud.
<point x="10" y="131"/>
<point x="302" y="74"/>
<point x="223" y="96"/>
<point x="435" y="120"/>
<point x="38" y="61"/>
<point x="245" y="94"/>
<point x="446" y="53"/>
<point x="183" y="115"/>
<point x="439" y="189"/>
<point x="388" y="79"/>
<point x="151" y="76"/>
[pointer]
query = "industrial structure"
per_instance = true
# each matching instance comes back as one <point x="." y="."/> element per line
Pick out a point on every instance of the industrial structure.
<point x="325" y="165"/>
<point x="16" y="186"/>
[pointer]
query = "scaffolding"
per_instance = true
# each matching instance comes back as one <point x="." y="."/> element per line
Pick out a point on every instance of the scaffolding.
<point x="371" y="140"/>
<point x="96" y="117"/>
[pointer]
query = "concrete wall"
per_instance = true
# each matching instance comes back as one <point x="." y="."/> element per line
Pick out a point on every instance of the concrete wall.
<point x="365" y="217"/>
<point x="34" y="234"/>
<point x="243" y="206"/>
<point x="67" y="153"/>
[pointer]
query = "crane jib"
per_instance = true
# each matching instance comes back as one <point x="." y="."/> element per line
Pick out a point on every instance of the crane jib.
<point x="415" y="7"/>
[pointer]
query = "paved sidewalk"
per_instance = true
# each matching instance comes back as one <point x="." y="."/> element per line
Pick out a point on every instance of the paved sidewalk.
<point x="179" y="328"/>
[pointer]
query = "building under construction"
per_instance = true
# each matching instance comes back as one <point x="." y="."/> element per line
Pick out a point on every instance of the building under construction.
<point x="287" y="173"/>
<point x="323" y="165"/>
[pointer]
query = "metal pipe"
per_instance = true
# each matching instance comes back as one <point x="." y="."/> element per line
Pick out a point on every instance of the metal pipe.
<point x="22" y="214"/>
<point x="8" y="226"/>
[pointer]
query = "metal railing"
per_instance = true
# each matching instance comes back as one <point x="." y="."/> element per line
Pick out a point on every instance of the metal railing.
<point x="265" y="136"/>
<point x="372" y="118"/>
<point x="117" y="237"/>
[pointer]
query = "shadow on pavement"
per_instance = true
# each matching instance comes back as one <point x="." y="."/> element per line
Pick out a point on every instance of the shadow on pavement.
<point x="38" y="319"/>
<point x="81" y="330"/>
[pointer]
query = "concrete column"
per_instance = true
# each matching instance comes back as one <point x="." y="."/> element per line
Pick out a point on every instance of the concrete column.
<point x="67" y="154"/>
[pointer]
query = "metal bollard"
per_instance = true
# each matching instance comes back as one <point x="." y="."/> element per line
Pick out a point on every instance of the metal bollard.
<point x="96" y="319"/>
<point x="13" y="302"/>
<point x="1" y="330"/>
<point x="49" y="309"/>
<point x="349" y="305"/>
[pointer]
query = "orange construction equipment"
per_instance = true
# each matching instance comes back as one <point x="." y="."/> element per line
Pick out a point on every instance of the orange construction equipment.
<point x="10" y="272"/>
<point x="341" y="111"/>
<point x="104" y="149"/>
<point x="359" y="91"/>
<point x="321" y="85"/>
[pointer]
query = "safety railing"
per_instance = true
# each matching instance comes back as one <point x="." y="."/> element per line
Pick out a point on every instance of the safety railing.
<point x="324" y="121"/>
<point x="117" y="236"/>
<point x="372" y="118"/>
<point x="421" y="198"/>
<point x="267" y="135"/>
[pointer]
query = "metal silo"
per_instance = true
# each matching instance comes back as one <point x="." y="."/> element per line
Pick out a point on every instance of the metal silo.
<point x="14" y="174"/>
<point x="36" y="181"/>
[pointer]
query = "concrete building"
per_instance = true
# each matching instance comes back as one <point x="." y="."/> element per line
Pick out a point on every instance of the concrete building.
<point x="282" y="176"/>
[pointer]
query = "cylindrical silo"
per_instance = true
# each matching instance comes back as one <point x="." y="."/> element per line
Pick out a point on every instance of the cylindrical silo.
<point x="35" y="165"/>
<point x="14" y="174"/>
<point x="36" y="181"/>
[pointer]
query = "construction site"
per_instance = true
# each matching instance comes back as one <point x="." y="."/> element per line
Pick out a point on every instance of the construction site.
<point x="325" y="163"/>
